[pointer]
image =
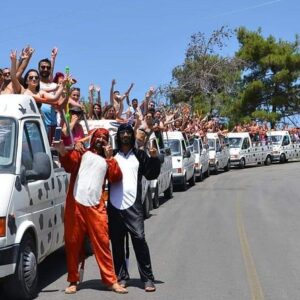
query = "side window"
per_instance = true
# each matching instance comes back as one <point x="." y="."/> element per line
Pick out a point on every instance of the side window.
<point x="32" y="142"/>
<point x="246" y="143"/>
<point x="218" y="145"/>
<point x="286" y="140"/>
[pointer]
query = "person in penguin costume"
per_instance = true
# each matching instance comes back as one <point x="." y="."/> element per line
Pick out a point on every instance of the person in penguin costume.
<point x="125" y="208"/>
<point x="85" y="210"/>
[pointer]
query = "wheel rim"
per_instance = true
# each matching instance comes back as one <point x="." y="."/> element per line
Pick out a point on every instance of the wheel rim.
<point x="29" y="267"/>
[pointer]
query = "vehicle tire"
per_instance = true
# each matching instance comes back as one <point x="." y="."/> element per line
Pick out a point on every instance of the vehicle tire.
<point x="208" y="172"/>
<point x="192" y="180"/>
<point x="268" y="161"/>
<point x="242" y="163"/>
<point x="216" y="169"/>
<point x="23" y="283"/>
<point x="146" y="204"/>
<point x="156" y="198"/>
<point x="184" y="184"/>
<point x="227" y="167"/>
<point x="168" y="194"/>
<point x="200" y="177"/>
<point x="282" y="158"/>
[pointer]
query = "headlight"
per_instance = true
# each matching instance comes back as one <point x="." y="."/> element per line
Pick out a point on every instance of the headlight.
<point x="234" y="156"/>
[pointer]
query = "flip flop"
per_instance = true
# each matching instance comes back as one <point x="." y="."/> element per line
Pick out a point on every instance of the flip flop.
<point x="117" y="288"/>
<point x="71" y="289"/>
<point x="149" y="286"/>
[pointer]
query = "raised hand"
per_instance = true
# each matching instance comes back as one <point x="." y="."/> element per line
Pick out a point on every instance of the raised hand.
<point x="91" y="87"/>
<point x="113" y="82"/>
<point x="13" y="55"/>
<point x="108" y="151"/>
<point x="54" y="52"/>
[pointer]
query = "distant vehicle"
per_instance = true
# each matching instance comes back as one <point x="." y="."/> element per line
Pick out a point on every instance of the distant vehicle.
<point x="164" y="182"/>
<point x="244" y="152"/>
<point x="183" y="159"/>
<point x="219" y="157"/>
<point x="201" y="158"/>
<point x="283" y="149"/>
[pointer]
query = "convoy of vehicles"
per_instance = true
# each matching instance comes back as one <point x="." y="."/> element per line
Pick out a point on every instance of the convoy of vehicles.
<point x="32" y="203"/>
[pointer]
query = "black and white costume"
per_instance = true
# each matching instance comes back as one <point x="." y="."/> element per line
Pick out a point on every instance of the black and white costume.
<point x="125" y="209"/>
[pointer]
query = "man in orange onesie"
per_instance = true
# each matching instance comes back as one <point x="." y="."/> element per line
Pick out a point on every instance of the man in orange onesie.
<point x="85" y="211"/>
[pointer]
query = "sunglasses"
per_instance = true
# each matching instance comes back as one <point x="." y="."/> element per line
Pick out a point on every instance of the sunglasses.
<point x="6" y="74"/>
<point x="45" y="67"/>
<point x="122" y="132"/>
<point x="33" y="77"/>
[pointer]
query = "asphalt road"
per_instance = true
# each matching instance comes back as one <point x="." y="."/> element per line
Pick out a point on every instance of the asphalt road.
<point x="234" y="236"/>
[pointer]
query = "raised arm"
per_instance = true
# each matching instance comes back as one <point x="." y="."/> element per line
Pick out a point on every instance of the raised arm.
<point x="53" y="59"/>
<point x="147" y="99"/>
<point x="113" y="82"/>
<point x="16" y="86"/>
<point x="126" y="94"/>
<point x="25" y="57"/>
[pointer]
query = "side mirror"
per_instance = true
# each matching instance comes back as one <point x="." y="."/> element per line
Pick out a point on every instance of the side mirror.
<point x="161" y="158"/>
<point x="187" y="154"/>
<point x="41" y="167"/>
<point x="167" y="151"/>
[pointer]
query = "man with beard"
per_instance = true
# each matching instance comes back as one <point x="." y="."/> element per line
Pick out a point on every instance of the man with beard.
<point x="48" y="111"/>
<point x="85" y="211"/>
<point x="125" y="208"/>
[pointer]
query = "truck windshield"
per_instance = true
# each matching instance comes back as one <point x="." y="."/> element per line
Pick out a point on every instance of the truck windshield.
<point x="276" y="139"/>
<point x="235" y="142"/>
<point x="211" y="144"/>
<point x="7" y="143"/>
<point x="174" y="146"/>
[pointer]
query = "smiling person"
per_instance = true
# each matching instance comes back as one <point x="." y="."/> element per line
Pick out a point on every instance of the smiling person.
<point x="125" y="208"/>
<point x="85" y="211"/>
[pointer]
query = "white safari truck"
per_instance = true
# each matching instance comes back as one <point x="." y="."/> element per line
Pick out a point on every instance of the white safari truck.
<point x="183" y="159"/>
<point x="219" y="157"/>
<point x="33" y="192"/>
<point x="283" y="149"/>
<point x="244" y="152"/>
<point x="201" y="158"/>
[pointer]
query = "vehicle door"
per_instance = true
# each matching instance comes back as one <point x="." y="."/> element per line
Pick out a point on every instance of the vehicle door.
<point x="186" y="160"/>
<point x="219" y="153"/>
<point x="247" y="151"/>
<point x="60" y="186"/>
<point x="40" y="192"/>
<point x="286" y="145"/>
<point x="204" y="159"/>
<point x="166" y="167"/>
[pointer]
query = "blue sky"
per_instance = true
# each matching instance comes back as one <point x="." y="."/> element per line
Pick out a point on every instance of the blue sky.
<point x="131" y="40"/>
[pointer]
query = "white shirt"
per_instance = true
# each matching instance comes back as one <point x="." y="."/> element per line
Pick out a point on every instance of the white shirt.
<point x="123" y="193"/>
<point x="90" y="179"/>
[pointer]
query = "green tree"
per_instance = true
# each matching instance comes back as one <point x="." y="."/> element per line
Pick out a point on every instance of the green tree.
<point x="271" y="72"/>
<point x="205" y="79"/>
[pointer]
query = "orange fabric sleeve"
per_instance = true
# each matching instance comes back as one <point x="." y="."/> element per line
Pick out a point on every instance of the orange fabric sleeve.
<point x="71" y="161"/>
<point x="114" y="172"/>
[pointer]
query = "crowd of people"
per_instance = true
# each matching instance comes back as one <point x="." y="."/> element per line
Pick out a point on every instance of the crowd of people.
<point x="58" y="98"/>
